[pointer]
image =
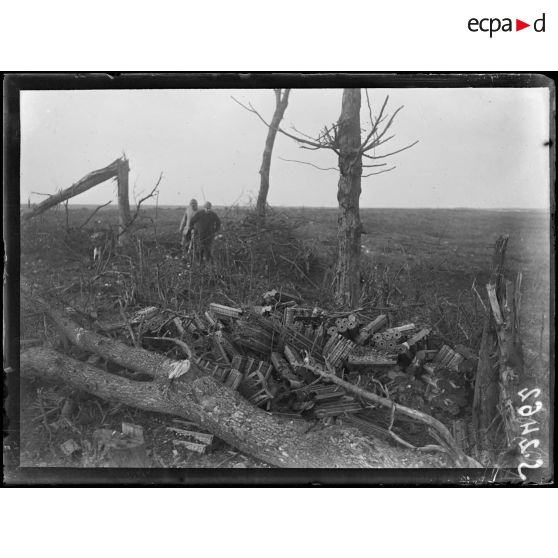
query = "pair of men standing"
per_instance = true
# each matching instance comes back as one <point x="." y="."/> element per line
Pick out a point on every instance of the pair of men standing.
<point x="198" y="229"/>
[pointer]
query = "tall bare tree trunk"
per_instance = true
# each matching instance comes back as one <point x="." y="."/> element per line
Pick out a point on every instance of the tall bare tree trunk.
<point x="123" y="201"/>
<point x="348" y="194"/>
<point x="281" y="101"/>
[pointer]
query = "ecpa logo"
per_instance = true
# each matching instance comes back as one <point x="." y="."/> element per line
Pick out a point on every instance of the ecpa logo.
<point x="494" y="24"/>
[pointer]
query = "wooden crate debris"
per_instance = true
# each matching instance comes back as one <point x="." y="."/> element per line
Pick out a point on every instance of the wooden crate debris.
<point x="225" y="311"/>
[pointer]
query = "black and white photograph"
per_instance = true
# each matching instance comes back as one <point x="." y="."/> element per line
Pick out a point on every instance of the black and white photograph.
<point x="285" y="271"/>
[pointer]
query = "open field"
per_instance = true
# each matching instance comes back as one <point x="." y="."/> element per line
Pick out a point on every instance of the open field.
<point x="417" y="265"/>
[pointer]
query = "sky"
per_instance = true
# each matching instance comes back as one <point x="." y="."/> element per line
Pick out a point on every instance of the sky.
<point x="478" y="147"/>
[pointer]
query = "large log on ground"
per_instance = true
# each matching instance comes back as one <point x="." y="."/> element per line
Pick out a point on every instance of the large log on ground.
<point x="225" y="413"/>
<point x="82" y="185"/>
<point x="134" y="358"/>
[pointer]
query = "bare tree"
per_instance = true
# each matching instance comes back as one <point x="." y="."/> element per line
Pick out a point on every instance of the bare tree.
<point x="281" y="102"/>
<point x="352" y="146"/>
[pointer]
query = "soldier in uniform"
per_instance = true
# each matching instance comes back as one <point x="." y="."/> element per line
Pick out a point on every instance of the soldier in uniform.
<point x="205" y="225"/>
<point x="185" y="229"/>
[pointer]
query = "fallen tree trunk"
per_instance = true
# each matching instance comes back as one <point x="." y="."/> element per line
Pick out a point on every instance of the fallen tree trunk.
<point x="134" y="358"/>
<point x="225" y="413"/>
<point x="82" y="185"/>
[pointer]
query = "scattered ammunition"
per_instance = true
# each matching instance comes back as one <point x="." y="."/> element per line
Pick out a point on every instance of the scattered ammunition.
<point x="293" y="358"/>
<point x="391" y="346"/>
<point x="369" y="359"/>
<point x="465" y="352"/>
<point x="336" y="409"/>
<point x="132" y="430"/>
<point x="402" y="328"/>
<point x="280" y="296"/>
<point x="339" y="350"/>
<point x="294" y="312"/>
<point x="388" y="336"/>
<point x="329" y="344"/>
<point x="210" y="319"/>
<point x="418" y="336"/>
<point x="227" y="311"/>
<point x="144" y="314"/>
<point x="322" y="388"/>
<point x="227" y="345"/>
<point x="239" y="362"/>
<point x="192" y="446"/>
<point x="341" y="324"/>
<point x="368" y="330"/>
<point x="332" y="330"/>
<point x="381" y="344"/>
<point x="352" y="322"/>
<point x="282" y="368"/>
<point x="253" y="344"/>
<point x="319" y="337"/>
<point x="327" y="396"/>
<point x="377" y="337"/>
<point x="202" y="437"/>
<point x="447" y="358"/>
<point x="200" y="324"/>
<point x="234" y="379"/>
<point x="455" y="361"/>
<point x="218" y="370"/>
<point x="176" y="321"/>
<point x="397" y="335"/>
<point x="289" y="316"/>
<point x="219" y="350"/>
<point x="259" y="398"/>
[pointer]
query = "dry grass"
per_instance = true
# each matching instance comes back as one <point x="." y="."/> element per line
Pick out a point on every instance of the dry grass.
<point x="417" y="265"/>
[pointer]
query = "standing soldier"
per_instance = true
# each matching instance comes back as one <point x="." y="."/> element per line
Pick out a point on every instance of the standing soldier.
<point x="205" y="224"/>
<point x="185" y="224"/>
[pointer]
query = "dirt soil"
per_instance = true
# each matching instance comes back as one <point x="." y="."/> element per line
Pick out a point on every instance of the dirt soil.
<point x="427" y="266"/>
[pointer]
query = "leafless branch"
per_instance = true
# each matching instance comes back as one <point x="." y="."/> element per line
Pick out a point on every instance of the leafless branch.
<point x="138" y="206"/>
<point x="308" y="163"/>
<point x="41" y="194"/>
<point x="93" y="214"/>
<point x="379" y="172"/>
<point x="374" y="142"/>
<point x="392" y="153"/>
<point x="375" y="124"/>
<point x="314" y="144"/>
<point x="376" y="165"/>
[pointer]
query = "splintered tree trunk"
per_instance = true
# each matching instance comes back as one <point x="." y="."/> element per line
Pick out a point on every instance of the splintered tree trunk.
<point x="123" y="201"/>
<point x="82" y="185"/>
<point x="280" y="106"/>
<point x="348" y="194"/>
<point x="500" y="364"/>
